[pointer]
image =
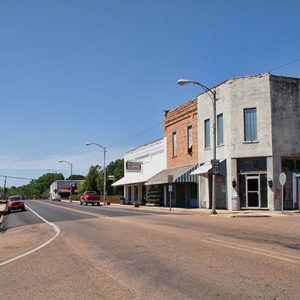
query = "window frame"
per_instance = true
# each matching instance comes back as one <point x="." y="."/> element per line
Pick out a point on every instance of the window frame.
<point x="190" y="139"/>
<point x="220" y="131"/>
<point x="174" y="144"/>
<point x="207" y="134"/>
<point x="252" y="125"/>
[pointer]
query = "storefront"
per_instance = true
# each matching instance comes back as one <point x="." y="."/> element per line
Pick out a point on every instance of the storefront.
<point x="140" y="164"/>
<point x="184" y="187"/>
<point x="253" y="183"/>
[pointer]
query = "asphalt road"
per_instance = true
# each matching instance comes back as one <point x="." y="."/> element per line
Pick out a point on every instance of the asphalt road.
<point x="117" y="253"/>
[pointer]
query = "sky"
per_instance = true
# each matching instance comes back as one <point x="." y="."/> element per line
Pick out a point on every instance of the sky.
<point x="77" y="71"/>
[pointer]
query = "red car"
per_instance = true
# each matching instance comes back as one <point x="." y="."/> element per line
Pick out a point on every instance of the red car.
<point x="14" y="203"/>
<point x="90" y="197"/>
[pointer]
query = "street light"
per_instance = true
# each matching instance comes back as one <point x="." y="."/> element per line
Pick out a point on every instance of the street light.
<point x="104" y="168"/>
<point x="214" y="162"/>
<point x="67" y="162"/>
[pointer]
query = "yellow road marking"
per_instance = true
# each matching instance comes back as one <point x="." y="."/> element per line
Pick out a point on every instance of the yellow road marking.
<point x="98" y="215"/>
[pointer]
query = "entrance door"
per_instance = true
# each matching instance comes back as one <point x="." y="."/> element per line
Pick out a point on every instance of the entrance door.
<point x="253" y="192"/>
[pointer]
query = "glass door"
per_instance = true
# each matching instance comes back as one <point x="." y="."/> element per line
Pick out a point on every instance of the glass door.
<point x="253" y="192"/>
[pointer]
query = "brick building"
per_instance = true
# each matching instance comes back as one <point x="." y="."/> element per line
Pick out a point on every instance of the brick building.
<point x="181" y="134"/>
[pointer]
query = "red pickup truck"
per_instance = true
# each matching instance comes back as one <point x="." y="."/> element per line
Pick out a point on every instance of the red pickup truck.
<point x="90" y="197"/>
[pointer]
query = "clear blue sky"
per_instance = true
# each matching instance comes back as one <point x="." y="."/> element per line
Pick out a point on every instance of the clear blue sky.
<point x="73" y="71"/>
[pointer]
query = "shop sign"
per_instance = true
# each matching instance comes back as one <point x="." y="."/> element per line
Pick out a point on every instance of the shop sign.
<point x="134" y="166"/>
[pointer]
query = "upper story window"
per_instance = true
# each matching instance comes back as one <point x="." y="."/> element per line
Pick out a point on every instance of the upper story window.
<point x="189" y="139"/>
<point x="220" y="132"/>
<point x="207" y="133"/>
<point x="174" y="144"/>
<point x="250" y="125"/>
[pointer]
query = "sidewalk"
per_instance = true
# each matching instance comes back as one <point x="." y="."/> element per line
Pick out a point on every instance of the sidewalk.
<point x="203" y="211"/>
<point x="2" y="216"/>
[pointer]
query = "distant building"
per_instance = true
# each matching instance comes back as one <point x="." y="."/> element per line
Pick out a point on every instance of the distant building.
<point x="258" y="137"/>
<point x="61" y="189"/>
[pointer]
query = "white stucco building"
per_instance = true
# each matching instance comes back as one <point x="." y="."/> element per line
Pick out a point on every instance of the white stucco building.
<point x="140" y="164"/>
<point x="258" y="137"/>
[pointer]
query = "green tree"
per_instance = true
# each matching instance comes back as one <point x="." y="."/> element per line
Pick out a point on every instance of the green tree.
<point x="76" y="177"/>
<point x="116" y="169"/>
<point x="92" y="179"/>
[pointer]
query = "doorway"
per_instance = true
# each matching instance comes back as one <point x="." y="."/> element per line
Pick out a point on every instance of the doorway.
<point x="253" y="192"/>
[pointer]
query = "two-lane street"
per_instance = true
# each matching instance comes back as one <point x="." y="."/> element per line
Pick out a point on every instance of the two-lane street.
<point x="121" y="253"/>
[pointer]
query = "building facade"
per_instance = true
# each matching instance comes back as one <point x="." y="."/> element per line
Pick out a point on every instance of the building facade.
<point x="181" y="134"/>
<point x="140" y="164"/>
<point x="258" y="137"/>
<point x="61" y="189"/>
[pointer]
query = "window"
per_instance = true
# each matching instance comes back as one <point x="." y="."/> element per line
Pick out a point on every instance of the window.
<point x="207" y="133"/>
<point x="189" y="138"/>
<point x="174" y="144"/>
<point x="250" y="126"/>
<point x="220" y="134"/>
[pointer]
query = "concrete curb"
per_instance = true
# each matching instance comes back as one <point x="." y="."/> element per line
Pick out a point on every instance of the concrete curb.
<point x="202" y="211"/>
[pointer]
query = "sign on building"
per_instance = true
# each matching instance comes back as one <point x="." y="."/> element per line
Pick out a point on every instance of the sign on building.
<point x="134" y="166"/>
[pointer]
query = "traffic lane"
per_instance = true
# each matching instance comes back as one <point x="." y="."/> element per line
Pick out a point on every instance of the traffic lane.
<point x="282" y="233"/>
<point x="20" y="218"/>
<point x="54" y="213"/>
<point x="125" y="258"/>
<point x="160" y="263"/>
<point x="109" y="211"/>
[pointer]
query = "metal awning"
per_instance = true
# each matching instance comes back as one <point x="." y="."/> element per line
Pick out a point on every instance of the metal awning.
<point x="180" y="174"/>
<point x="132" y="178"/>
<point x="206" y="168"/>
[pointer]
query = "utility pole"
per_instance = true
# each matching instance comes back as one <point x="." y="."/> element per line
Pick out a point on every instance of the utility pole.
<point x="4" y="189"/>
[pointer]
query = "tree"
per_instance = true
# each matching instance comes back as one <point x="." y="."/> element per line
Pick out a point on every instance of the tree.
<point x="116" y="169"/>
<point x="76" y="177"/>
<point x="92" y="179"/>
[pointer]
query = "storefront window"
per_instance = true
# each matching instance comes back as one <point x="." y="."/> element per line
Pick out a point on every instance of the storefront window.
<point x="298" y="165"/>
<point x="252" y="164"/>
<point x="288" y="165"/>
<point x="242" y="190"/>
<point x="264" y="190"/>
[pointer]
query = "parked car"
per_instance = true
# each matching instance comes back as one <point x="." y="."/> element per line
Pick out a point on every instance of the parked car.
<point x="56" y="197"/>
<point x="90" y="197"/>
<point x="14" y="203"/>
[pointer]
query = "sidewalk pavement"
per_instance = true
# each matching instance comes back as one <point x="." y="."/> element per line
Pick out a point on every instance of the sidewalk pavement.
<point x="204" y="211"/>
<point x="2" y="214"/>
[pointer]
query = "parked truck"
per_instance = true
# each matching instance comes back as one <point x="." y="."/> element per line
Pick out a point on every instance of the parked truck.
<point x="90" y="197"/>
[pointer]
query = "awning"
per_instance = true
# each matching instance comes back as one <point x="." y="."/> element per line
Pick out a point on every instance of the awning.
<point x="132" y="178"/>
<point x="64" y="190"/>
<point x="180" y="174"/>
<point x="206" y="168"/>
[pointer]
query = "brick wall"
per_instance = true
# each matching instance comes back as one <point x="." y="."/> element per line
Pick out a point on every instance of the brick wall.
<point x="177" y="120"/>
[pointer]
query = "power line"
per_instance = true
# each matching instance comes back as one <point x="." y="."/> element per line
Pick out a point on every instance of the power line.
<point x="133" y="136"/>
<point x="286" y="64"/>
<point x="14" y="177"/>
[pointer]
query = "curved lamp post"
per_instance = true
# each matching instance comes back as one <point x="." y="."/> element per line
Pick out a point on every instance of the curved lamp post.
<point x="104" y="168"/>
<point x="71" y="165"/>
<point x="214" y="162"/>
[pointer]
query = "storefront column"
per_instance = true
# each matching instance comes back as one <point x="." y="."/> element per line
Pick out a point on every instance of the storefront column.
<point x="232" y="176"/>
<point x="140" y="192"/>
<point x="270" y="176"/>
<point x="165" y="195"/>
